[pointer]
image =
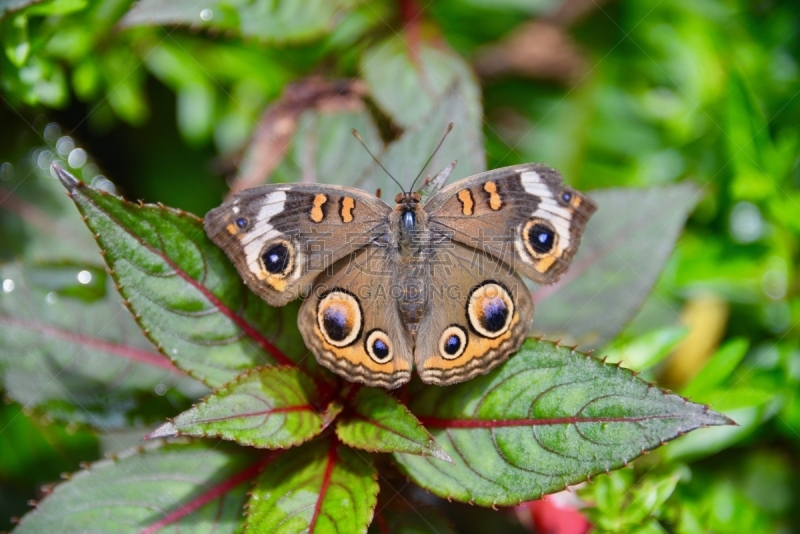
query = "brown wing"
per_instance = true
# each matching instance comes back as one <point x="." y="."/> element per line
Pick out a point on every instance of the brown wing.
<point x="523" y="215"/>
<point x="478" y="313"/>
<point x="281" y="236"/>
<point x="351" y="321"/>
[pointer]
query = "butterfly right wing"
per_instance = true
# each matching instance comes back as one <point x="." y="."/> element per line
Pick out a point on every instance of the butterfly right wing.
<point x="281" y="236"/>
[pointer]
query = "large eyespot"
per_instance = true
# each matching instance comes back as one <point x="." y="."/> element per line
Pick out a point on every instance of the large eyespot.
<point x="539" y="237"/>
<point x="242" y="223"/>
<point x="453" y="342"/>
<point x="277" y="258"/>
<point x="339" y="318"/>
<point x="378" y="346"/>
<point x="566" y="196"/>
<point x="490" y="309"/>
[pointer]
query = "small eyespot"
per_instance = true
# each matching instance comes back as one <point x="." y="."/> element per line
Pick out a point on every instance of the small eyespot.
<point x="378" y="346"/>
<point x="490" y="309"/>
<point x="453" y="342"/>
<point x="241" y="222"/>
<point x="277" y="258"/>
<point x="339" y="318"/>
<point x="566" y="196"/>
<point x="539" y="237"/>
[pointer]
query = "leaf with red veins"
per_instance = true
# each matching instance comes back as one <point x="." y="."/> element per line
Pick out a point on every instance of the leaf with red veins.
<point x="80" y="361"/>
<point x="546" y="419"/>
<point x="377" y="422"/>
<point x="268" y="407"/>
<point x="183" y="291"/>
<point x="320" y="487"/>
<point x="186" y="487"/>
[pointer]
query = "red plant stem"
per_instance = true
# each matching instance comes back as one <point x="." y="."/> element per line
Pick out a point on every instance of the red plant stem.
<point x="411" y="15"/>
<point x="279" y="356"/>
<point x="436" y="422"/>
<point x="132" y="353"/>
<point x="287" y="409"/>
<point x="217" y="491"/>
<point x="326" y="480"/>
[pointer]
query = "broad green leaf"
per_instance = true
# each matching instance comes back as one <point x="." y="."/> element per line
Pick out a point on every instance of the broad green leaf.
<point x="377" y="422"/>
<point x="323" y="148"/>
<point x="749" y="145"/>
<point x="268" y="407"/>
<point x="76" y="360"/>
<point x="181" y="487"/>
<point x="38" y="221"/>
<point x="319" y="487"/>
<point x="182" y="289"/>
<point x="621" y="503"/>
<point x="409" y="81"/>
<point x="405" y="157"/>
<point x="746" y="405"/>
<point x="623" y="250"/>
<point x="718" y="368"/>
<point x="647" y="350"/>
<point x="547" y="418"/>
<point x="291" y="20"/>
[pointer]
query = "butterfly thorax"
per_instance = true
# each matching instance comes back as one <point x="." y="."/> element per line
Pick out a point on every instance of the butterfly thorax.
<point x="409" y="224"/>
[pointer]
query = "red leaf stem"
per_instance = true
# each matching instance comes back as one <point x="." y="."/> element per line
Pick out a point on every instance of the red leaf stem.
<point x="276" y="353"/>
<point x="436" y="422"/>
<point x="217" y="491"/>
<point x="326" y="480"/>
<point x="132" y="353"/>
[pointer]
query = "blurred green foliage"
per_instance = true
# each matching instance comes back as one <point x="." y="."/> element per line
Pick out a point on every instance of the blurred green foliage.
<point x="700" y="90"/>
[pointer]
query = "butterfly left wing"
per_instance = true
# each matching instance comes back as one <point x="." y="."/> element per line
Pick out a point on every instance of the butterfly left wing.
<point x="282" y="236"/>
<point x="352" y="324"/>
<point x="478" y="313"/>
<point x="524" y="215"/>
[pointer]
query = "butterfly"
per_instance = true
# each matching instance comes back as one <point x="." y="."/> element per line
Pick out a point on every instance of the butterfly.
<point x="430" y="284"/>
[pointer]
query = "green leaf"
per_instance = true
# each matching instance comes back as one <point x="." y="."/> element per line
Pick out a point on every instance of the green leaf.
<point x="547" y="418"/>
<point x="718" y="368"/>
<point x="406" y="156"/>
<point x="181" y="288"/>
<point x="181" y="487"/>
<point x="647" y="350"/>
<point x="40" y="216"/>
<point x="750" y="147"/>
<point x="79" y="361"/>
<point x="269" y="407"/>
<point x="377" y="422"/>
<point x="291" y="20"/>
<point x="322" y="148"/>
<point x="15" y="41"/>
<point x="746" y="405"/>
<point x="408" y="81"/>
<point x="623" y="250"/>
<point x="320" y="487"/>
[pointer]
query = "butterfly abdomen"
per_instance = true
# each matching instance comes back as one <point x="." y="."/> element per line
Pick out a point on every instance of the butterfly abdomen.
<point x="409" y="283"/>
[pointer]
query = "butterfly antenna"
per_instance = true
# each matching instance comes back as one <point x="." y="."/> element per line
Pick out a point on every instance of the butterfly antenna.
<point x="355" y="134"/>
<point x="449" y="127"/>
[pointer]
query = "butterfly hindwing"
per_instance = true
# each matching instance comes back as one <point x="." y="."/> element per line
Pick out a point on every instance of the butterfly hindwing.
<point x="478" y="313"/>
<point x="351" y="322"/>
